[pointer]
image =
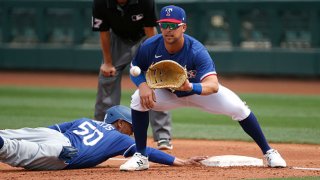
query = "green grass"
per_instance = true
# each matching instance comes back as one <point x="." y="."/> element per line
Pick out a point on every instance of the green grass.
<point x="284" y="118"/>
<point x="32" y="107"/>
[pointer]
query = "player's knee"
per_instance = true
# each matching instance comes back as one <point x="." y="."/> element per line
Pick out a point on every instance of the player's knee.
<point x="240" y="113"/>
<point x="135" y="102"/>
<point x="138" y="108"/>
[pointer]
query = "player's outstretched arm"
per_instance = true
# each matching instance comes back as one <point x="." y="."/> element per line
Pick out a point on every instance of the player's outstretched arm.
<point x="190" y="161"/>
<point x="161" y="157"/>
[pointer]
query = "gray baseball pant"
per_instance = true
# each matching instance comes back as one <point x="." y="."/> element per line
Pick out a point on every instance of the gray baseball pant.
<point x="33" y="148"/>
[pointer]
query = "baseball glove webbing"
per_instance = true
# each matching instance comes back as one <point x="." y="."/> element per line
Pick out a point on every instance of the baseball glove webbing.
<point x="166" y="74"/>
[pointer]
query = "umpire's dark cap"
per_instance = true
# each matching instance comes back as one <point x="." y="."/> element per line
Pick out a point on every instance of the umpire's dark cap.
<point x="118" y="112"/>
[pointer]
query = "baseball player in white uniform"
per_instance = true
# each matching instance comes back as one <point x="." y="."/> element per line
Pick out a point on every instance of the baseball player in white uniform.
<point x="201" y="90"/>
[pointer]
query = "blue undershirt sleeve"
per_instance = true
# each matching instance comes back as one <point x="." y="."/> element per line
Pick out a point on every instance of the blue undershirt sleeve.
<point x="154" y="155"/>
<point x="160" y="157"/>
<point x="138" y="80"/>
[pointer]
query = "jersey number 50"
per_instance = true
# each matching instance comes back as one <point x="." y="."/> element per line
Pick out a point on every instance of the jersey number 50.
<point x="90" y="133"/>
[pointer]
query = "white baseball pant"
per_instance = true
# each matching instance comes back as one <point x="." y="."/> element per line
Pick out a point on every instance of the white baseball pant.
<point x="224" y="102"/>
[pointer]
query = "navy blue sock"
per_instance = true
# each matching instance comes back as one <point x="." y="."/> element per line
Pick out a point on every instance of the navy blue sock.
<point x="1" y="142"/>
<point x="251" y="126"/>
<point x="140" y="122"/>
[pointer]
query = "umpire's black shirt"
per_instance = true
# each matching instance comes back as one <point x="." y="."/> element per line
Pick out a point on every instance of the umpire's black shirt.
<point x="125" y="21"/>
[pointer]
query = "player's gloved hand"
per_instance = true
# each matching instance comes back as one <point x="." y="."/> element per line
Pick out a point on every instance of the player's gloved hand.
<point x="68" y="152"/>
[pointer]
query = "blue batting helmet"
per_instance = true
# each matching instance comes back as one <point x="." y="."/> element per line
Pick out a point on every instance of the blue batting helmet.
<point x="118" y="112"/>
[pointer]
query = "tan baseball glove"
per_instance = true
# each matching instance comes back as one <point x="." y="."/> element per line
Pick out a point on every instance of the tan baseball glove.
<point x="166" y="74"/>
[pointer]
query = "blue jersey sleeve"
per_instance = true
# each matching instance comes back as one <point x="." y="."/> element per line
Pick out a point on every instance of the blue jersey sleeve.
<point x="161" y="157"/>
<point x="145" y="56"/>
<point x="154" y="155"/>
<point x="139" y="60"/>
<point x="63" y="127"/>
<point x="205" y="65"/>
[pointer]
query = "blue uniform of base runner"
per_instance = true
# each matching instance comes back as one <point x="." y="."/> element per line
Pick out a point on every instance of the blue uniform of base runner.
<point x="96" y="140"/>
<point x="201" y="90"/>
<point x="81" y="143"/>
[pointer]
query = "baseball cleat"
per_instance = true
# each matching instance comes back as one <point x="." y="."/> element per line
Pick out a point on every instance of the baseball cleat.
<point x="137" y="162"/>
<point x="274" y="159"/>
<point x="164" y="144"/>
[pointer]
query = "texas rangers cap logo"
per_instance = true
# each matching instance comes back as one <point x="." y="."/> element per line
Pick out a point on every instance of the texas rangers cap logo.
<point x="168" y="11"/>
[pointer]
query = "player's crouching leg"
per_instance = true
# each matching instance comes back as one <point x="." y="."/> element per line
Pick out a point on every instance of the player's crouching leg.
<point x="135" y="102"/>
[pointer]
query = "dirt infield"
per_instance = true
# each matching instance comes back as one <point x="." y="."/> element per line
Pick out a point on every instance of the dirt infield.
<point x="296" y="155"/>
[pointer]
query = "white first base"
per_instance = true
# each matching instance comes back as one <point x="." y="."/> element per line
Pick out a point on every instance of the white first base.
<point x="232" y="160"/>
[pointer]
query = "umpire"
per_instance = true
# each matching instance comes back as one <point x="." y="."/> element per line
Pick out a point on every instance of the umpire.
<point x="123" y="26"/>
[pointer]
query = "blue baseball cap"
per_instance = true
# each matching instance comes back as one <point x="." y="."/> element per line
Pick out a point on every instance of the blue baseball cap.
<point x="118" y="112"/>
<point x="173" y="14"/>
